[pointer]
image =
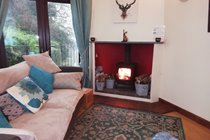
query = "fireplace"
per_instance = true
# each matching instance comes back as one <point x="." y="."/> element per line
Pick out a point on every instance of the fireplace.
<point x="125" y="75"/>
<point x="124" y="60"/>
<point x="126" y="70"/>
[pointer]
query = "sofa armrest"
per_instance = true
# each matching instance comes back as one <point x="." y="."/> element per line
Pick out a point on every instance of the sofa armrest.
<point x="17" y="133"/>
<point x="9" y="137"/>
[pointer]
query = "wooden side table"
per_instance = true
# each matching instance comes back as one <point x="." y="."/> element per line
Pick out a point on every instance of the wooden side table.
<point x="88" y="97"/>
<point x="87" y="100"/>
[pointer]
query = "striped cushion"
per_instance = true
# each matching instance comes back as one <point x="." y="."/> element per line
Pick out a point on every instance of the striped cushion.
<point x="10" y="107"/>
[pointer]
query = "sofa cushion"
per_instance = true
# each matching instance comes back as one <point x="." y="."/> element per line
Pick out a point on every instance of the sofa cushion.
<point x="52" y="121"/>
<point x="10" y="107"/>
<point x="43" y="61"/>
<point x="28" y="94"/>
<point x="42" y="78"/>
<point x="64" y="98"/>
<point x="47" y="124"/>
<point x="3" y="121"/>
<point x="11" y="75"/>
<point x="70" y="80"/>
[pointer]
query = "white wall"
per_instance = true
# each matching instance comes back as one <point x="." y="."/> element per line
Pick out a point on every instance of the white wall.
<point x="150" y="14"/>
<point x="181" y="68"/>
<point x="185" y="75"/>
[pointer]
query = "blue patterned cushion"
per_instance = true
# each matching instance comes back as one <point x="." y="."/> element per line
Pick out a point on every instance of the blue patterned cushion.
<point x="3" y="121"/>
<point x="42" y="78"/>
<point x="28" y="94"/>
<point x="10" y="107"/>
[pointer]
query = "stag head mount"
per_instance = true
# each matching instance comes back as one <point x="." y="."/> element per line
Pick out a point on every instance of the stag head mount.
<point x="124" y="8"/>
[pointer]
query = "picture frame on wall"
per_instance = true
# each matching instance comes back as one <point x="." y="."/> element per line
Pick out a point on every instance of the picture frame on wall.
<point x="209" y="18"/>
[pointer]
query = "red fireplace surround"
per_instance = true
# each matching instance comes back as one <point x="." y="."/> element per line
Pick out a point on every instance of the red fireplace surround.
<point x="111" y="54"/>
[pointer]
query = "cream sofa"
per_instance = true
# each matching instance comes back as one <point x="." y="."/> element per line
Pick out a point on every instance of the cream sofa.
<point x="52" y="121"/>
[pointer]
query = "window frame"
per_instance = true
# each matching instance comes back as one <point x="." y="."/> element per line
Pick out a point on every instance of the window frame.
<point x="59" y="1"/>
<point x="43" y="30"/>
<point x="3" y="60"/>
<point x="209" y="18"/>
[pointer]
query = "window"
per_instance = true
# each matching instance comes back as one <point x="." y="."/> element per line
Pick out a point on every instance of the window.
<point x="20" y="30"/>
<point x="62" y="38"/>
<point x="27" y="27"/>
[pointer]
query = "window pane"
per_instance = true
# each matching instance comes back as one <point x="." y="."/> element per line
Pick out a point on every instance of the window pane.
<point x="20" y="30"/>
<point x="62" y="38"/>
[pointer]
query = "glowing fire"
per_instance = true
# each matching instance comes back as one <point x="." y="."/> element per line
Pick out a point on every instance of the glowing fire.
<point x="124" y="73"/>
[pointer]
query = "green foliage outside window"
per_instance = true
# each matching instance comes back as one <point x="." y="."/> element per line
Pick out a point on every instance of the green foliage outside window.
<point x="21" y="32"/>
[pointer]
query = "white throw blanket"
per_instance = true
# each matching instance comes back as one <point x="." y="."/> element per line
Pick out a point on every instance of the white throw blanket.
<point x="21" y="133"/>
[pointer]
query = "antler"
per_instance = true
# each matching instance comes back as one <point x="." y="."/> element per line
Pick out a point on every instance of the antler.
<point x="117" y="3"/>
<point x="120" y="6"/>
<point x="129" y="5"/>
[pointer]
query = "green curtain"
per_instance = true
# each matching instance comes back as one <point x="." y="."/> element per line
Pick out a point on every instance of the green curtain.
<point x="4" y="4"/>
<point x="81" y="16"/>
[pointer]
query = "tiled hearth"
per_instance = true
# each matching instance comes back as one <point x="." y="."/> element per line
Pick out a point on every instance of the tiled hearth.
<point x="123" y="91"/>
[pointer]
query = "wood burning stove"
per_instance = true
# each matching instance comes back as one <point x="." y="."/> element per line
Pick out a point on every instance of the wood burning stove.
<point x="125" y="75"/>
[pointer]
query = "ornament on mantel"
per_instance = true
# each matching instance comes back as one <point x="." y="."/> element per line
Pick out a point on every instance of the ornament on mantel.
<point x="125" y="37"/>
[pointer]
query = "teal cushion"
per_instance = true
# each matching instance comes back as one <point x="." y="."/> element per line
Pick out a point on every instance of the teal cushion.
<point x="29" y="94"/>
<point x="3" y="121"/>
<point x="42" y="78"/>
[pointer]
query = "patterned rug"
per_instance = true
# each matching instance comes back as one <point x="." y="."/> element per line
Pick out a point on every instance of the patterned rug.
<point x="102" y="122"/>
